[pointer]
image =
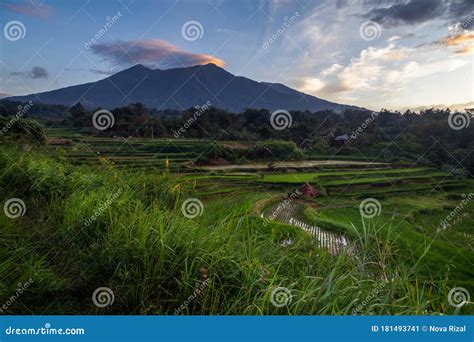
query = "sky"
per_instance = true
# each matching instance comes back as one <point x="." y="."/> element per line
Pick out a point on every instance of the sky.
<point x="392" y="54"/>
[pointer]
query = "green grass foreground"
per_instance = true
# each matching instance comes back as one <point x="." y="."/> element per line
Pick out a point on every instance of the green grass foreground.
<point x="98" y="225"/>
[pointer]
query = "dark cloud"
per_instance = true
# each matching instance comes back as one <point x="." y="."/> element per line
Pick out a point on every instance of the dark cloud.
<point x="36" y="72"/>
<point x="156" y="53"/>
<point x="414" y="12"/>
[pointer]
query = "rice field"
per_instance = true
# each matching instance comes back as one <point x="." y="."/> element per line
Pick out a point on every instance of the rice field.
<point x="143" y="247"/>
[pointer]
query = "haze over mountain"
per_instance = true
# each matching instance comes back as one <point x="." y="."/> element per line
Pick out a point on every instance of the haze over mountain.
<point x="459" y="107"/>
<point x="182" y="88"/>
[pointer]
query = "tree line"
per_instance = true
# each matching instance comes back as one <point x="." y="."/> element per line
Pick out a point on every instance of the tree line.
<point x="426" y="137"/>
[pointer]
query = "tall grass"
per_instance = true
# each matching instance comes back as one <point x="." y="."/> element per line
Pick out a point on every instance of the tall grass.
<point x="153" y="258"/>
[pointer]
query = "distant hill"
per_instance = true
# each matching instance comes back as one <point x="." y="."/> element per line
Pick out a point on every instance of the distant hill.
<point x="182" y="88"/>
<point x="460" y="107"/>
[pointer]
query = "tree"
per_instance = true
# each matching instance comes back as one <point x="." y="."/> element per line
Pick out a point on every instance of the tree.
<point x="79" y="117"/>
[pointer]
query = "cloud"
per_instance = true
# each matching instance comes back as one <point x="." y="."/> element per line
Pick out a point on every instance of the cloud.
<point x="398" y="37"/>
<point x="311" y="85"/>
<point x="102" y="72"/>
<point x="419" y="11"/>
<point x="331" y="70"/>
<point x="154" y="52"/>
<point x="459" y="39"/>
<point x="412" y="12"/>
<point x="378" y="69"/>
<point x="36" y="72"/>
<point x="463" y="42"/>
<point x="32" y="8"/>
<point x="465" y="50"/>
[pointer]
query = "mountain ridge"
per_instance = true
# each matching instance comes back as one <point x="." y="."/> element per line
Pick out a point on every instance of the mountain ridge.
<point x="182" y="88"/>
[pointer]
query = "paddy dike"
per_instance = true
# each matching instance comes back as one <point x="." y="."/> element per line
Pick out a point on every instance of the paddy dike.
<point x="289" y="165"/>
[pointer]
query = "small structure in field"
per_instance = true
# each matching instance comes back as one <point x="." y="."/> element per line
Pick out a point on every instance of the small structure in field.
<point x="304" y="190"/>
<point x="342" y="138"/>
<point x="309" y="190"/>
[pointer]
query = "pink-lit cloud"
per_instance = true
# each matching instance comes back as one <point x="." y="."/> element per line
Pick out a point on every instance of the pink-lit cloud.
<point x="31" y="8"/>
<point x="155" y="53"/>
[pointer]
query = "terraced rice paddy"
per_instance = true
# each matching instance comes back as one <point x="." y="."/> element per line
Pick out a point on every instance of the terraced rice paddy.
<point x="413" y="201"/>
<point x="326" y="240"/>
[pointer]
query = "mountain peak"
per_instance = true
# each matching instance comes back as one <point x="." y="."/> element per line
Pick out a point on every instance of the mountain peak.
<point x="208" y="66"/>
<point x="182" y="88"/>
<point x="139" y="67"/>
